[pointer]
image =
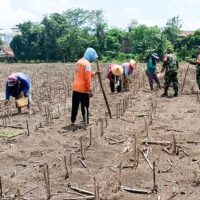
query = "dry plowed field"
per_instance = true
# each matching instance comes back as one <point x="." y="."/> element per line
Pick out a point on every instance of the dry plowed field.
<point x="150" y="149"/>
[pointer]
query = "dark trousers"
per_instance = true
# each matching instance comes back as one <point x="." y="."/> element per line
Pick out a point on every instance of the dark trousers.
<point x="112" y="85"/>
<point x="83" y="98"/>
<point x="153" y="77"/>
<point x="171" y="77"/>
<point x="198" y="78"/>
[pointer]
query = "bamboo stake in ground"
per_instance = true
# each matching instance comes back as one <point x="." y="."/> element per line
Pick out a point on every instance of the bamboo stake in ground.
<point x="120" y="175"/>
<point x="82" y="148"/>
<point x="101" y="125"/>
<point x="135" y="150"/>
<point x="1" y="190"/>
<point x="150" y="116"/>
<point x="90" y="144"/>
<point x="106" y="118"/>
<point x="47" y="182"/>
<point x="118" y="110"/>
<point x="155" y="187"/>
<point x="66" y="168"/>
<point x="137" y="158"/>
<point x="18" y="194"/>
<point x="174" y="151"/>
<point x="70" y="163"/>
<point x="95" y="188"/>
<point x="27" y="125"/>
<point x="185" y="78"/>
<point x="104" y="94"/>
<point x="122" y="107"/>
<point x="146" y="128"/>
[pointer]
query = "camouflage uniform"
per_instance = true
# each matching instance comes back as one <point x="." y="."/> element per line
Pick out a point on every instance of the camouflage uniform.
<point x="170" y="64"/>
<point x="197" y="63"/>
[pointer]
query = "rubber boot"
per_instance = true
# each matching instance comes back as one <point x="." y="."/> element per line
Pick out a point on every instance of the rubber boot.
<point x="165" y="94"/>
<point x="175" y="94"/>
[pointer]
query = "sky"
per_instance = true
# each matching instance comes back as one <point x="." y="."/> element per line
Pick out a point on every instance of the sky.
<point x="118" y="13"/>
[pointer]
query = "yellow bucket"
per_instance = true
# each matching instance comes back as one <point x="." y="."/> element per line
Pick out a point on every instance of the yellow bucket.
<point x="22" y="102"/>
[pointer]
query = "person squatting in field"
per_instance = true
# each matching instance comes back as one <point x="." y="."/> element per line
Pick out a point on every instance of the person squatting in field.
<point x="18" y="85"/>
<point x="114" y="75"/>
<point x="151" y="60"/>
<point x="197" y="63"/>
<point x="128" y="68"/>
<point x="82" y="85"/>
<point x="170" y="65"/>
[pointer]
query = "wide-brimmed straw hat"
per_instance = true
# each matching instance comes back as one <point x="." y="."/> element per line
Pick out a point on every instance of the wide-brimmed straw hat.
<point x="133" y="64"/>
<point x="117" y="70"/>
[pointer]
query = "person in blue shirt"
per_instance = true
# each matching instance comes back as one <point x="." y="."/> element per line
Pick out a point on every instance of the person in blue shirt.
<point x="151" y="60"/>
<point x="18" y="85"/>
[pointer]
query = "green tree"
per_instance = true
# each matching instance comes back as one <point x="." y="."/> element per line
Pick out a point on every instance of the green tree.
<point x="1" y="41"/>
<point x="55" y="26"/>
<point x="26" y="45"/>
<point x="173" y="29"/>
<point x="186" y="47"/>
<point x="143" y="38"/>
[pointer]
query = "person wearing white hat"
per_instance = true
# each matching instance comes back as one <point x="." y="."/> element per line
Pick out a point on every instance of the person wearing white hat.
<point x="114" y="75"/>
<point x="128" y="68"/>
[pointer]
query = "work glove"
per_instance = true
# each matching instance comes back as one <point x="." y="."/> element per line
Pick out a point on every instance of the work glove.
<point x="90" y="93"/>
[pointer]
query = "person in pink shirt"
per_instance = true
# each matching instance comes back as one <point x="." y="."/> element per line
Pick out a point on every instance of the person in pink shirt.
<point x="114" y="75"/>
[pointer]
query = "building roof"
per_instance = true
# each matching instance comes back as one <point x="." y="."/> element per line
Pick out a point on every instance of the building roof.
<point x="186" y="33"/>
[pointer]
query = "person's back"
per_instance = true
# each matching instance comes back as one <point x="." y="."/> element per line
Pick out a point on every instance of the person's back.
<point x="151" y="67"/>
<point x="170" y="62"/>
<point x="82" y="76"/>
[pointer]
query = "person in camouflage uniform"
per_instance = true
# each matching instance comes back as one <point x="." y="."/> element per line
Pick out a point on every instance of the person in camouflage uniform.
<point x="170" y="65"/>
<point x="197" y="63"/>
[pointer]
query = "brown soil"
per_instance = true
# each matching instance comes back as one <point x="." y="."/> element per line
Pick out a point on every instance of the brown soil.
<point x="23" y="158"/>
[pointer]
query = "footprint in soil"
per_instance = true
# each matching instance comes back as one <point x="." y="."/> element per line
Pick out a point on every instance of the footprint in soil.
<point x="72" y="127"/>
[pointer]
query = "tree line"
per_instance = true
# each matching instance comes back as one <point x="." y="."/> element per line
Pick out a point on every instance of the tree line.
<point x="64" y="37"/>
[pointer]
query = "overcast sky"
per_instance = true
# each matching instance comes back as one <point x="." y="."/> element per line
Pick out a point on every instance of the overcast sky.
<point x="117" y="13"/>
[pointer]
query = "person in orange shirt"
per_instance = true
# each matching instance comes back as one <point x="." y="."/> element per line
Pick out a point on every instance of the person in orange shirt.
<point x="82" y="85"/>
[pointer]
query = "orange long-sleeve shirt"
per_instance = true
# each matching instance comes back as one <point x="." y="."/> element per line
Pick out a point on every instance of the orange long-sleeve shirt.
<point x="83" y="76"/>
